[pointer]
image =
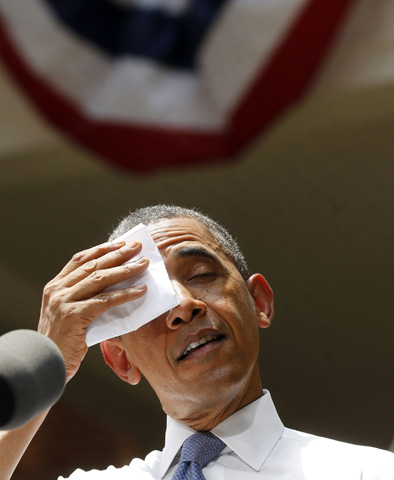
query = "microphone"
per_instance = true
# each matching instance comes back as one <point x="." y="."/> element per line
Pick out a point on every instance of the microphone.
<point x="32" y="376"/>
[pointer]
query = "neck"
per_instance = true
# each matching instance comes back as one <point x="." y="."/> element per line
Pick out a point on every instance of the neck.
<point x="206" y="410"/>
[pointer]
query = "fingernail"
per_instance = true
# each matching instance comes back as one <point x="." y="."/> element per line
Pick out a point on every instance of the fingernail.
<point x="133" y="244"/>
<point x="140" y="286"/>
<point x="118" y="243"/>
<point x="141" y="261"/>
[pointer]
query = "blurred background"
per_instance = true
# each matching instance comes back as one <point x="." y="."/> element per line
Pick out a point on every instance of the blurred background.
<point x="274" y="118"/>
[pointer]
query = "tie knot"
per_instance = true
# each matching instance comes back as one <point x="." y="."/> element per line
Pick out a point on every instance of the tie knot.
<point x="202" y="447"/>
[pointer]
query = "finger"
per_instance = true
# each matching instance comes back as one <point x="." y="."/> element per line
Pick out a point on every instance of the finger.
<point x="87" y="255"/>
<point x="105" y="300"/>
<point x="99" y="280"/>
<point x="112" y="259"/>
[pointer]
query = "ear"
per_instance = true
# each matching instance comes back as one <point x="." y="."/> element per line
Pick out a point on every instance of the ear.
<point x="263" y="298"/>
<point x="115" y="356"/>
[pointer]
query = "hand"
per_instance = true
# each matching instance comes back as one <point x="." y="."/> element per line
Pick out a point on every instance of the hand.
<point x="75" y="296"/>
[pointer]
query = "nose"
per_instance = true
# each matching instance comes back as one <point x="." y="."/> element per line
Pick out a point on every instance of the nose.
<point x="189" y="307"/>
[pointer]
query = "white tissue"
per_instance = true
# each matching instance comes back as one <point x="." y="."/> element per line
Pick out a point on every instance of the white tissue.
<point x="159" y="298"/>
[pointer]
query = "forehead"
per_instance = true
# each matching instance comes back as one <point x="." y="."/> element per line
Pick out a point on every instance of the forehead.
<point x="174" y="233"/>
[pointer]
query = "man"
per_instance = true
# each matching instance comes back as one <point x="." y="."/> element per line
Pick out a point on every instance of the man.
<point x="200" y="358"/>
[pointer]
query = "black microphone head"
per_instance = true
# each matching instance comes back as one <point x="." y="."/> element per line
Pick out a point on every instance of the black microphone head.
<point x="32" y="376"/>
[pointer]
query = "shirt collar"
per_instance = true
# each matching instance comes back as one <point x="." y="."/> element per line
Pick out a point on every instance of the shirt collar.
<point x="251" y="433"/>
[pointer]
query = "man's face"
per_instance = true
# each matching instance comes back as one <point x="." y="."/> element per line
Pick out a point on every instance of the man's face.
<point x="207" y="347"/>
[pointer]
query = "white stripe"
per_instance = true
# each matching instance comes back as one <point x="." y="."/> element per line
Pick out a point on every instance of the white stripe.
<point x="142" y="91"/>
<point x="170" y="6"/>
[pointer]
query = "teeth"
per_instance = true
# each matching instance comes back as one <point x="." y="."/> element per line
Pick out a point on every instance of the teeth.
<point x="203" y="340"/>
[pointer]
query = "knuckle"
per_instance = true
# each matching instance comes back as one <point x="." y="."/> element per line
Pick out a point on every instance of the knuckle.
<point x="89" y="266"/>
<point x="49" y="288"/>
<point x="78" y="257"/>
<point x="104" y="298"/>
<point x="68" y="311"/>
<point x="97" y="276"/>
<point x="118" y="254"/>
<point x="57" y="300"/>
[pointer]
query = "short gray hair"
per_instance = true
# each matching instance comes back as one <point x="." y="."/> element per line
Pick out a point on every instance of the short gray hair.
<point x="152" y="214"/>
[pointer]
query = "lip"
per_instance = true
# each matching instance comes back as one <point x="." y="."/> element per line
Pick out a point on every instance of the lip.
<point x="203" y="350"/>
<point x="195" y="337"/>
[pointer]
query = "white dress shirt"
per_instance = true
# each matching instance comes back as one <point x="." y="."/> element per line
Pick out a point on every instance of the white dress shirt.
<point x="259" y="447"/>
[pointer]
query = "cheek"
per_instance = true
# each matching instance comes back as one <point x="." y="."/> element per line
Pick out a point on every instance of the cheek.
<point x="142" y="343"/>
<point x="243" y="319"/>
<point x="148" y="349"/>
<point x="237" y="309"/>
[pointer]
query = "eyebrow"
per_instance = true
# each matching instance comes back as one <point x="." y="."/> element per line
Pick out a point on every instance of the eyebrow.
<point x="187" y="252"/>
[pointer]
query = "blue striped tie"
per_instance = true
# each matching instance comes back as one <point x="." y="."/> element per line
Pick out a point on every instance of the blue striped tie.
<point x="197" y="451"/>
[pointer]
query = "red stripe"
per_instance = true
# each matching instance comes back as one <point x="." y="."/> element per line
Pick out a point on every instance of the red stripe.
<point x="286" y="77"/>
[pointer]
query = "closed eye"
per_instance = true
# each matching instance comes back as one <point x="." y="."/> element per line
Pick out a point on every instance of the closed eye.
<point x="203" y="275"/>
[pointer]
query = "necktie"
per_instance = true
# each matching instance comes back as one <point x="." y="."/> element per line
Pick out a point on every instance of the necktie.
<point x="197" y="451"/>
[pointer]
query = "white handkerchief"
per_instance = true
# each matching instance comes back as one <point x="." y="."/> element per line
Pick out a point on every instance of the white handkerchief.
<point x="159" y="298"/>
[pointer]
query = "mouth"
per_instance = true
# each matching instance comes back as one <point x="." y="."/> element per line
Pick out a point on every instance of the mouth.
<point x="194" y="346"/>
